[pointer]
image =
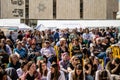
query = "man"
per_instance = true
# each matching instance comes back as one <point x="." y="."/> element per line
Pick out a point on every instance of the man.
<point x="48" y="50"/>
<point x="21" y="52"/>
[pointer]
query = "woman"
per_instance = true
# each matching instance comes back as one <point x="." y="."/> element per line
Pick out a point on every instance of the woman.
<point x="88" y="69"/>
<point x="62" y="49"/>
<point x="72" y="64"/>
<point x="10" y="44"/>
<point x="14" y="61"/>
<point x="77" y="74"/>
<point x="43" y="70"/>
<point x="31" y="73"/>
<point x="38" y="38"/>
<point x="54" y="73"/>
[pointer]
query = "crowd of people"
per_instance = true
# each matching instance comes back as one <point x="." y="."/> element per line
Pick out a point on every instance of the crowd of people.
<point x="63" y="54"/>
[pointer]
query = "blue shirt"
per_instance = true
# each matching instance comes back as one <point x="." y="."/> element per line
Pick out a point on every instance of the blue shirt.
<point x="21" y="52"/>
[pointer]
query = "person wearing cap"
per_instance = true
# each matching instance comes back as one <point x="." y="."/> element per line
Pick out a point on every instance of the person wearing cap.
<point x="48" y="50"/>
<point x="77" y="73"/>
<point x="61" y="41"/>
<point x="55" y="73"/>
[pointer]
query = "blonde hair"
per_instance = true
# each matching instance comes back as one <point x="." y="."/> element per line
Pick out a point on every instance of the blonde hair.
<point x="11" y="56"/>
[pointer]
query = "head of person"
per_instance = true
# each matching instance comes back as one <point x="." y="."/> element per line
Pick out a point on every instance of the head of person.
<point x="24" y="66"/>
<point x="13" y="58"/>
<point x="33" y="46"/>
<point x="55" y="73"/>
<point x="43" y="69"/>
<point x="62" y="41"/>
<point x="98" y="41"/>
<point x="112" y="40"/>
<point x="40" y="59"/>
<point x="87" y="30"/>
<point x="31" y="66"/>
<point x="65" y="56"/>
<point x="3" y="75"/>
<point x="47" y="43"/>
<point x="74" y="60"/>
<point x="78" y="72"/>
<point x="19" y="44"/>
<point x="109" y="53"/>
<point x="79" y="69"/>
<point x="76" y="41"/>
<point x="54" y="68"/>
<point x="116" y="61"/>
<point x="8" y="41"/>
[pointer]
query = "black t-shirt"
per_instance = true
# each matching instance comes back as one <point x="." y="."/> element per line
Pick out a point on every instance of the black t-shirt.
<point x="28" y="77"/>
<point x="71" y="66"/>
<point x="76" y="50"/>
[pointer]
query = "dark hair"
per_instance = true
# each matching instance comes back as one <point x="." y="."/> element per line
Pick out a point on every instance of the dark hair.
<point x="29" y="64"/>
<point x="103" y="75"/>
<point x="2" y="73"/>
<point x="41" y="70"/>
<point x="56" y="74"/>
<point x="23" y="64"/>
<point x="81" y="76"/>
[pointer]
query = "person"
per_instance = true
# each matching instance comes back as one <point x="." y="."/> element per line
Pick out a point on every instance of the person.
<point x="31" y="73"/>
<point x="116" y="69"/>
<point x="48" y="50"/>
<point x="56" y="36"/>
<point x="33" y="52"/>
<point x="4" y="76"/>
<point x="62" y="49"/>
<point x="43" y="69"/>
<point x="20" y="36"/>
<point x="88" y="68"/>
<point x="103" y="75"/>
<point x="77" y="73"/>
<point x="14" y="61"/>
<point x="11" y="72"/>
<point x="76" y="48"/>
<point x="22" y="69"/>
<point x="63" y="64"/>
<point x="72" y="64"/>
<point x="21" y="52"/>
<point x="54" y="73"/>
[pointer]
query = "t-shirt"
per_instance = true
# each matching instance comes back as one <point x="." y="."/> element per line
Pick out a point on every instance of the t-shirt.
<point x="76" y="50"/>
<point x="28" y="77"/>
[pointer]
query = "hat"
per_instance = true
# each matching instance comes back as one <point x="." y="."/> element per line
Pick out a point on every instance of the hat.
<point x="47" y="41"/>
<point x="40" y="58"/>
<point x="62" y="39"/>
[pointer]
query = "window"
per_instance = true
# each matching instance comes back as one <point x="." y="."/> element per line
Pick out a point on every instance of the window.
<point x="114" y="15"/>
<point x="27" y="9"/>
<point x="81" y="9"/>
<point x="54" y="9"/>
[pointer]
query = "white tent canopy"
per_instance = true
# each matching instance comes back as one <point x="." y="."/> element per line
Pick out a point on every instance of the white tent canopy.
<point x="9" y="21"/>
<point x="78" y="23"/>
<point x="13" y="23"/>
<point x="21" y="26"/>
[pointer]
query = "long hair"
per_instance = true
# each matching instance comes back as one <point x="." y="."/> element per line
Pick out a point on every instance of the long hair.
<point x="103" y="75"/>
<point x="56" y="74"/>
<point x="41" y="70"/>
<point x="78" y="77"/>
